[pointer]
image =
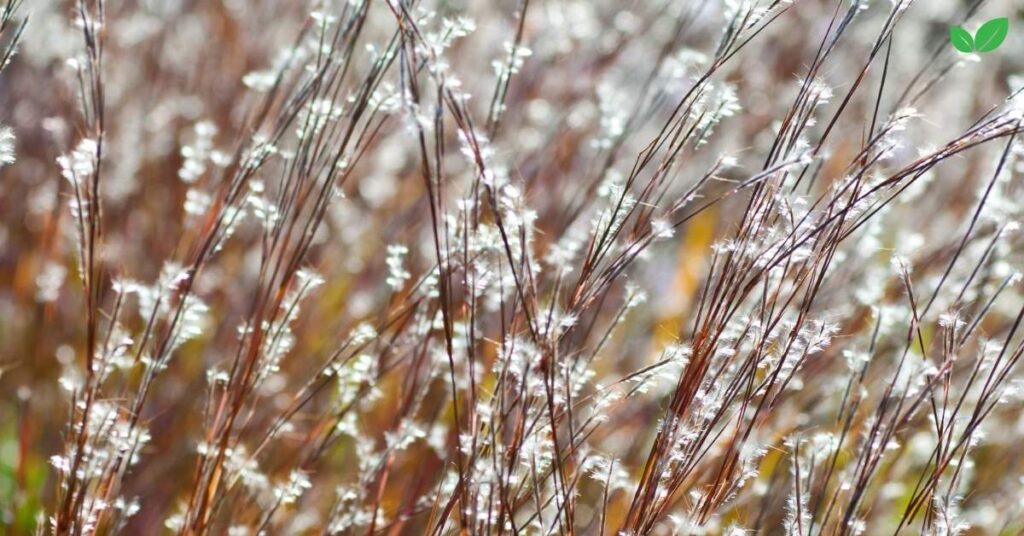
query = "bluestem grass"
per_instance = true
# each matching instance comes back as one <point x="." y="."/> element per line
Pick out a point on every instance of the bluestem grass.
<point x="538" y="268"/>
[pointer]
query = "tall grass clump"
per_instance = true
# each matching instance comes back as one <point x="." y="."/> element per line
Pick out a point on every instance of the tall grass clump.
<point x="456" y="267"/>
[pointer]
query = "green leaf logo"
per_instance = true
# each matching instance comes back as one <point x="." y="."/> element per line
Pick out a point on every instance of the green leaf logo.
<point x="961" y="39"/>
<point x="991" y="34"/>
<point x="988" y="38"/>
